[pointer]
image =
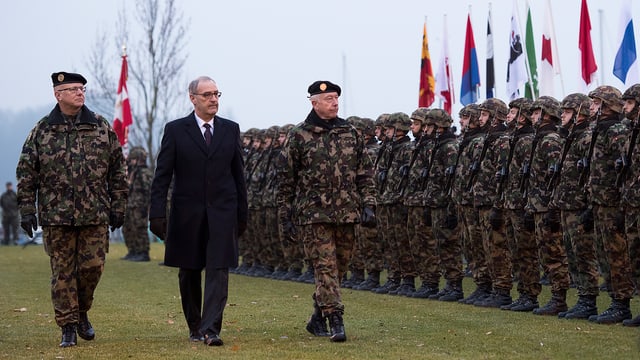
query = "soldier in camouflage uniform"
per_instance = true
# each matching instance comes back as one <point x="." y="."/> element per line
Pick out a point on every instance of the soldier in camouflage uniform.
<point x="630" y="190"/>
<point x="524" y="255"/>
<point x="10" y="215"/>
<point x="473" y="251"/>
<point x="255" y="226"/>
<point x="545" y="155"/>
<point x="608" y="140"/>
<point x="444" y="244"/>
<point x="570" y="198"/>
<point x="135" y="228"/>
<point x="490" y="158"/>
<point x="72" y="168"/>
<point x="393" y="219"/>
<point x="326" y="187"/>
<point x="249" y="152"/>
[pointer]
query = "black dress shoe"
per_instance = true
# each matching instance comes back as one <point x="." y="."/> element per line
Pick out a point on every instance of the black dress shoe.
<point x="69" y="337"/>
<point x="213" y="340"/>
<point x="196" y="336"/>
<point x="85" y="330"/>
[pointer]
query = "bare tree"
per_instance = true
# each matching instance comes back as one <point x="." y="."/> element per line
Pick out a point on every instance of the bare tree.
<point x="155" y="51"/>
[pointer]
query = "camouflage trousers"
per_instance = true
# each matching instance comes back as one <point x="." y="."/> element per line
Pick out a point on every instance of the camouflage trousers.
<point x="394" y="227"/>
<point x="136" y="230"/>
<point x="248" y="244"/>
<point x="472" y="248"/>
<point x="524" y="256"/>
<point x="390" y="256"/>
<point x="609" y="229"/>
<point x="496" y="248"/>
<point x="583" y="247"/>
<point x="271" y="249"/>
<point x="77" y="255"/>
<point x="292" y="250"/>
<point x="632" y="217"/>
<point x="449" y="246"/>
<point x="424" y="246"/>
<point x="368" y="250"/>
<point x="552" y="253"/>
<point x="329" y="247"/>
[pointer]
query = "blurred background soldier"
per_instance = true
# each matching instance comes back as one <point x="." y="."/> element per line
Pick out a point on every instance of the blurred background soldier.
<point x="135" y="229"/>
<point x="10" y="215"/>
<point x="607" y="145"/>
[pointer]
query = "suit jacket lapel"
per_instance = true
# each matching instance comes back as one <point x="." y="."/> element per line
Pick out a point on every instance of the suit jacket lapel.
<point x="195" y="133"/>
<point x="219" y="131"/>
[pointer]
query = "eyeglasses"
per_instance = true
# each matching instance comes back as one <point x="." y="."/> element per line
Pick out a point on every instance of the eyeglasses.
<point x="75" y="89"/>
<point x="209" y="95"/>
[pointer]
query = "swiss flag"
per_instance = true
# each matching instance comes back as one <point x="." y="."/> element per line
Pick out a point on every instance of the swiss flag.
<point x="122" y="115"/>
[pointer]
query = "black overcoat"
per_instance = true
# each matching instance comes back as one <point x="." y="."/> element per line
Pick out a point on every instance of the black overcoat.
<point x="209" y="189"/>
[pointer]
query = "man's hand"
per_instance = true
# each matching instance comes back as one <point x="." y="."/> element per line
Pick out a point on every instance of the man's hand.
<point x="116" y="220"/>
<point x="289" y="229"/>
<point x="28" y="223"/>
<point x="158" y="227"/>
<point x="368" y="217"/>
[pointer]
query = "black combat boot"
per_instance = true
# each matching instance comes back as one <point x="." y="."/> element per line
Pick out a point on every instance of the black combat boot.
<point x="524" y="303"/>
<point x="556" y="305"/>
<point x="480" y="293"/>
<point x="85" y="330"/>
<point x="617" y="312"/>
<point x="337" y="327"/>
<point x="453" y="292"/>
<point x="584" y="308"/>
<point x="390" y="285"/>
<point x="292" y="274"/>
<point x="498" y="298"/>
<point x="69" y="337"/>
<point x="308" y="276"/>
<point x="372" y="282"/>
<point x="317" y="324"/>
<point x="406" y="288"/>
<point x="635" y="322"/>
<point x="425" y="291"/>
<point x="357" y="276"/>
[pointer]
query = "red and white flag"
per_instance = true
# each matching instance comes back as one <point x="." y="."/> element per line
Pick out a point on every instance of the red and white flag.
<point x="444" y="80"/>
<point x="122" y="115"/>
<point x="549" y="64"/>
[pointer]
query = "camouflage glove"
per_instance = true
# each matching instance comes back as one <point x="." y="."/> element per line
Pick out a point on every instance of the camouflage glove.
<point x="529" y="221"/>
<point x="427" y="216"/>
<point x="586" y="220"/>
<point x="116" y="220"/>
<point x="368" y="217"/>
<point x="28" y="223"/>
<point x="496" y="220"/>
<point x="158" y="227"/>
<point x="551" y="219"/>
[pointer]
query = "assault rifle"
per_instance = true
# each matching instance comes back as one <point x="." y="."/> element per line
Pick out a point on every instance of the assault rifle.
<point x="475" y="165"/>
<point x="425" y="173"/>
<point x="626" y="159"/>
<point x="450" y="172"/>
<point x="526" y="167"/>
<point x="383" y="174"/>
<point x="504" y="170"/>
<point x="556" y="169"/>
<point x="405" y="169"/>
<point x="584" y="164"/>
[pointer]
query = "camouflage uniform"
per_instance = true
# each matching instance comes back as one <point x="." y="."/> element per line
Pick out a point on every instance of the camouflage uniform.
<point x="572" y="201"/>
<point x="546" y="155"/>
<point x="270" y="254"/>
<point x="467" y="215"/>
<point x="255" y="222"/>
<point x="10" y="216"/>
<point x="135" y="228"/>
<point x="74" y="170"/>
<point x="605" y="197"/>
<point x="326" y="180"/>
<point x="444" y="246"/>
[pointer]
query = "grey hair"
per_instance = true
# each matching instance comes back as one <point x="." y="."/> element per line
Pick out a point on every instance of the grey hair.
<point x="193" y="85"/>
<point x="314" y="97"/>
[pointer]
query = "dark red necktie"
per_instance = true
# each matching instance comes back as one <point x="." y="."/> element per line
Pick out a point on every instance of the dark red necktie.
<point x="207" y="134"/>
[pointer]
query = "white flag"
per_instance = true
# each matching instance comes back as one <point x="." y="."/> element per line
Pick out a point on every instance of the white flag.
<point x="516" y="68"/>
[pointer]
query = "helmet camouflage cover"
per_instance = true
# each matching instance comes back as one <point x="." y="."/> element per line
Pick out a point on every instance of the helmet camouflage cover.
<point x="496" y="107"/>
<point x="609" y="96"/>
<point x="137" y="153"/>
<point x="548" y="105"/>
<point x="580" y="103"/>
<point x="439" y="118"/>
<point x="400" y="121"/>
<point x="420" y="114"/>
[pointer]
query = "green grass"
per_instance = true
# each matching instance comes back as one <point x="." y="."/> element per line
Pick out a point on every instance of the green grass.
<point x="137" y="315"/>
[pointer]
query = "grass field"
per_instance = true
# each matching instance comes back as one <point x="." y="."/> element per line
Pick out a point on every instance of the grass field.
<point x="137" y="315"/>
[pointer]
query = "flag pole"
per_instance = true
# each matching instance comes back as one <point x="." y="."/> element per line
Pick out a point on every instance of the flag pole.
<point x="476" y="87"/>
<point x="554" y="50"/>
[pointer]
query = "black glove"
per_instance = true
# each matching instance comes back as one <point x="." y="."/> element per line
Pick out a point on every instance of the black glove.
<point x="586" y="219"/>
<point x="158" y="227"/>
<point x="551" y="219"/>
<point x="28" y="223"/>
<point x="242" y="227"/>
<point x="368" y="217"/>
<point x="496" y="218"/>
<point x="529" y="221"/>
<point x="289" y="229"/>
<point x="451" y="222"/>
<point x="427" y="216"/>
<point x="116" y="220"/>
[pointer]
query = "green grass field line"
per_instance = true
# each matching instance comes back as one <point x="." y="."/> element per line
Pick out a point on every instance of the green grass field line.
<point x="137" y="315"/>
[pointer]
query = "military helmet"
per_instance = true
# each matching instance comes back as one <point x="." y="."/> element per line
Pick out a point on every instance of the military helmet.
<point x="632" y="93"/>
<point x="471" y="110"/>
<point x="137" y="153"/>
<point x="272" y="132"/>
<point x="523" y="105"/>
<point x="260" y="135"/>
<point x="420" y="114"/>
<point x="439" y="118"/>
<point x="284" y="129"/>
<point x="251" y="132"/>
<point x="548" y="105"/>
<point x="353" y="120"/>
<point x="381" y="120"/>
<point x="400" y="121"/>
<point x="496" y="107"/>
<point x="609" y="96"/>
<point x="580" y="103"/>
<point x="368" y="126"/>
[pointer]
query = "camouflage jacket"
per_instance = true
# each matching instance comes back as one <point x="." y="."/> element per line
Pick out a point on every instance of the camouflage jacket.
<point x="485" y="188"/>
<point x="471" y="141"/>
<point x="442" y="156"/>
<point x="140" y="178"/>
<point x="269" y="190"/>
<point x="520" y="144"/>
<point x="631" y="186"/>
<point x="253" y="178"/>
<point x="373" y="148"/>
<point x="9" y="204"/>
<point x="327" y="175"/>
<point x="414" y="189"/>
<point x="391" y="193"/>
<point x="609" y="147"/>
<point x="567" y="195"/>
<point x="546" y="154"/>
<point x="76" y="173"/>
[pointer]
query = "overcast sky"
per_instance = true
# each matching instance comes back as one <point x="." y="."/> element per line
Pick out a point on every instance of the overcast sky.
<point x="264" y="54"/>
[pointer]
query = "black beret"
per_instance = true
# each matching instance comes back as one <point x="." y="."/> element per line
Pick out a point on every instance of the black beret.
<point x="321" y="87"/>
<point x="62" y="77"/>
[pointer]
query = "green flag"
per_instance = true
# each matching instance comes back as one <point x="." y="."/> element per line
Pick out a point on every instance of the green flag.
<point x="531" y="87"/>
